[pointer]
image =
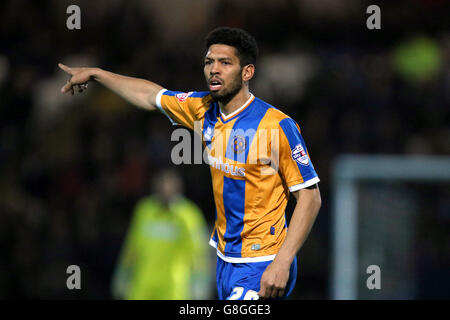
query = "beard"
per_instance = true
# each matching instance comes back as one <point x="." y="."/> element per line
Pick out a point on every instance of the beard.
<point x="227" y="94"/>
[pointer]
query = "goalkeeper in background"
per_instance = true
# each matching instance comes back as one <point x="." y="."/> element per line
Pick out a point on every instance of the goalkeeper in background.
<point x="164" y="256"/>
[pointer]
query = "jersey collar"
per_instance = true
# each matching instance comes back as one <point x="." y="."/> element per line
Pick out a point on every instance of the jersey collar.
<point x="237" y="111"/>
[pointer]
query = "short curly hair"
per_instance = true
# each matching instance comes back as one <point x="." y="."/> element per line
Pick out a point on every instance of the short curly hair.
<point x="245" y="44"/>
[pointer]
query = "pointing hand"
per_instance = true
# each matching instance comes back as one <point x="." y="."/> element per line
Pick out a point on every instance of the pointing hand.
<point x="79" y="78"/>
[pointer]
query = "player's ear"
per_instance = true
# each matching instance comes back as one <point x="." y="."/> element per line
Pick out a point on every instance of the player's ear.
<point x="247" y="72"/>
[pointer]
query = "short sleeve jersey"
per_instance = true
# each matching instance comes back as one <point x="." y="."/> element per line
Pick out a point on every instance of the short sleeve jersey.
<point x="256" y="155"/>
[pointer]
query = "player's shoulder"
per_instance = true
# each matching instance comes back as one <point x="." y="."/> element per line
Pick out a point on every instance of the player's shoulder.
<point x="200" y="94"/>
<point x="203" y="96"/>
<point x="273" y="116"/>
<point x="187" y="208"/>
<point x="185" y="202"/>
<point x="146" y="205"/>
<point x="145" y="201"/>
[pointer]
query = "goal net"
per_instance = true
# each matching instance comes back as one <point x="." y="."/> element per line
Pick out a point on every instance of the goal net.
<point x="391" y="212"/>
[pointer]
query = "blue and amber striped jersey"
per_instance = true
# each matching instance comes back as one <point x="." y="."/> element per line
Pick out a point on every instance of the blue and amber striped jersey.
<point x="256" y="156"/>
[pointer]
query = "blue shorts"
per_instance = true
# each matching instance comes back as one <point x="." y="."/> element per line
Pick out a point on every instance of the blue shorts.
<point x="241" y="281"/>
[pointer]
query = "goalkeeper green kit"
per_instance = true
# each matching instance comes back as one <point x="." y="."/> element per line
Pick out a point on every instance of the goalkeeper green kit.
<point x="165" y="253"/>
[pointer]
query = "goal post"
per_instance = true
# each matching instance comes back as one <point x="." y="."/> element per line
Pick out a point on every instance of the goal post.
<point x="348" y="172"/>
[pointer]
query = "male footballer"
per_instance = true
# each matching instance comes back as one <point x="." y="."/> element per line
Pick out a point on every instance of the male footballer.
<point x="257" y="157"/>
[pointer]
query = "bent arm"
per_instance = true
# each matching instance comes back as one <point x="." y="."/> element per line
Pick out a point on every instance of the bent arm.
<point x="139" y="92"/>
<point x="302" y="220"/>
<point x="275" y="277"/>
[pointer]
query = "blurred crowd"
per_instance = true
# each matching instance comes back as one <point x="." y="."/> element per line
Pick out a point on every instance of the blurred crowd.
<point x="73" y="168"/>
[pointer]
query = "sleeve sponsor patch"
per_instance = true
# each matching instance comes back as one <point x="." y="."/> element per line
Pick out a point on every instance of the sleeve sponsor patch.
<point x="183" y="96"/>
<point x="299" y="155"/>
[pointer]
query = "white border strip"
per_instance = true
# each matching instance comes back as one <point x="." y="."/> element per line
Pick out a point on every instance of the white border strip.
<point x="160" y="108"/>
<point x="303" y="185"/>
<point x="240" y="260"/>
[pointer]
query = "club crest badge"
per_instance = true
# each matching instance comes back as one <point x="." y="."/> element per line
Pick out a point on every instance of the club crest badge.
<point x="238" y="144"/>
<point x="299" y="155"/>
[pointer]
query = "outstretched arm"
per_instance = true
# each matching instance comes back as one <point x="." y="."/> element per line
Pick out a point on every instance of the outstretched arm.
<point x="274" y="279"/>
<point x="139" y="92"/>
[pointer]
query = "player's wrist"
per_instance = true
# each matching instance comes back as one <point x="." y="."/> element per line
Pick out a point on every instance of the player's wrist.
<point x="284" y="259"/>
<point x="95" y="74"/>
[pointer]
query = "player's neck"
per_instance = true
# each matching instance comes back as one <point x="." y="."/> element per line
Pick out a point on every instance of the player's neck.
<point x="236" y="102"/>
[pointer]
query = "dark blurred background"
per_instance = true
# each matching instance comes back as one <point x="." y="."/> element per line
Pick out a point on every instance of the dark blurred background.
<point x="72" y="168"/>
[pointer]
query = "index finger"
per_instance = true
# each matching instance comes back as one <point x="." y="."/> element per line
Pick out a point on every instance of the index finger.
<point x="65" y="68"/>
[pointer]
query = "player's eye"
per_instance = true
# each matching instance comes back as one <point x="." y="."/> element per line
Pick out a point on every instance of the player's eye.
<point x="207" y="62"/>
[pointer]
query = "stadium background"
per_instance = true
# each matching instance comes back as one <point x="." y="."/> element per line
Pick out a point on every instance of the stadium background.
<point x="72" y="168"/>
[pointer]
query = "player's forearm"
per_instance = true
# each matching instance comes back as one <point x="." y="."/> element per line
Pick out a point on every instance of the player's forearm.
<point x="302" y="220"/>
<point x="139" y="92"/>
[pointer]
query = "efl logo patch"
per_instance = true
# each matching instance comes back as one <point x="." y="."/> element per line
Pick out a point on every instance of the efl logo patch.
<point x="183" y="96"/>
<point x="299" y="155"/>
